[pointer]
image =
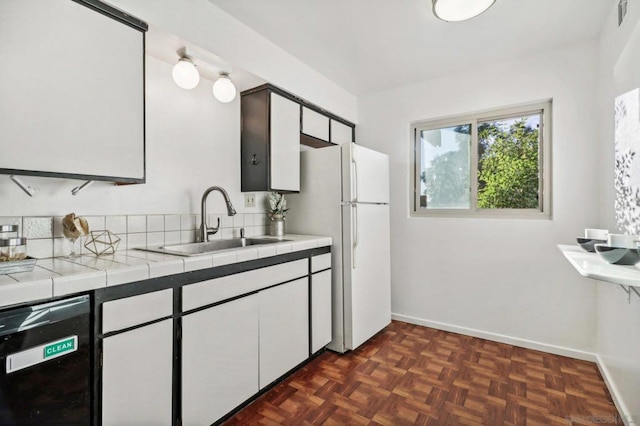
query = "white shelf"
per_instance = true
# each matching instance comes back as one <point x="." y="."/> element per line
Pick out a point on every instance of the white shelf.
<point x="590" y="265"/>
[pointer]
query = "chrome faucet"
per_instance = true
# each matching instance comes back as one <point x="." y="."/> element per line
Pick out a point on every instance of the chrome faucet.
<point x="205" y="231"/>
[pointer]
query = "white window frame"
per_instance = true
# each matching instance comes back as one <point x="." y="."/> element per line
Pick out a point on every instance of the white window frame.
<point x="544" y="161"/>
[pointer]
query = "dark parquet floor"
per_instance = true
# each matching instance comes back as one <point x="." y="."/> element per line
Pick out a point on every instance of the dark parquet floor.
<point x="409" y="374"/>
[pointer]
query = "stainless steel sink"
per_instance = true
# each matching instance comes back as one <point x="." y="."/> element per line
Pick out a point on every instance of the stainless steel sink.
<point x="195" y="249"/>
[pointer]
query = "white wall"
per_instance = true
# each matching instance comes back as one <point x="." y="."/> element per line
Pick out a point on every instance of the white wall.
<point x="618" y="332"/>
<point x="502" y="279"/>
<point x="209" y="27"/>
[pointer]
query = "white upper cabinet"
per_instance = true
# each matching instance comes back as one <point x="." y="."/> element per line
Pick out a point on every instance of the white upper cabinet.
<point x="341" y="133"/>
<point x="71" y="91"/>
<point x="274" y="125"/>
<point x="285" y="144"/>
<point x="315" y="124"/>
<point x="270" y="142"/>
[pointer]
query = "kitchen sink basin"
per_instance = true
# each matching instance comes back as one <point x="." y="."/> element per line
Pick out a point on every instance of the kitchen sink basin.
<point x="195" y="249"/>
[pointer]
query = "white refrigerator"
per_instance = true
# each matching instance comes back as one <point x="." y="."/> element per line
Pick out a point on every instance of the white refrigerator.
<point x="344" y="193"/>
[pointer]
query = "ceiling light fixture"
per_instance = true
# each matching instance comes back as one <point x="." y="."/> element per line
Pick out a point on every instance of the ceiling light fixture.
<point x="185" y="73"/>
<point x="459" y="10"/>
<point x="224" y="89"/>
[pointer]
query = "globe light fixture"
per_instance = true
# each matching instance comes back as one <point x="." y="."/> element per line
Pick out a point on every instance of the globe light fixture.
<point x="459" y="10"/>
<point x="185" y="74"/>
<point x="224" y="89"/>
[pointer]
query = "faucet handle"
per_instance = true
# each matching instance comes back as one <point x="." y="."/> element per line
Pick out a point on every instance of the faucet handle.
<point x="241" y="232"/>
<point x="211" y="230"/>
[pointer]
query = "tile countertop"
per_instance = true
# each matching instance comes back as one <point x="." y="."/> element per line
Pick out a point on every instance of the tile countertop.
<point x="59" y="276"/>
<point x="590" y="265"/>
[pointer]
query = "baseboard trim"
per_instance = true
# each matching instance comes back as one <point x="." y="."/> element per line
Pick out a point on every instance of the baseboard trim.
<point x="501" y="338"/>
<point x="627" y="418"/>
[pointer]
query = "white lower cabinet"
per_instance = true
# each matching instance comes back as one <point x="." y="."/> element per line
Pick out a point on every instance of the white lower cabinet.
<point x="320" y="310"/>
<point x="284" y="329"/>
<point x="219" y="359"/>
<point x="137" y="376"/>
<point x="229" y="351"/>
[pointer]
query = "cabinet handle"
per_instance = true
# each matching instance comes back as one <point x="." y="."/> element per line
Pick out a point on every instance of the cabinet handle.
<point x="254" y="160"/>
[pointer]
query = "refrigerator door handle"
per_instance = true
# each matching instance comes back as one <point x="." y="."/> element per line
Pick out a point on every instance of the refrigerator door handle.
<point x="355" y="180"/>
<point x="356" y="238"/>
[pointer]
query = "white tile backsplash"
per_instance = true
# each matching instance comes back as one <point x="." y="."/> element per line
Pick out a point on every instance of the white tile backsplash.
<point x="60" y="247"/>
<point x="96" y="223"/>
<point x="45" y="238"/>
<point x="40" y="249"/>
<point x="187" y="236"/>
<point x="187" y="221"/>
<point x="238" y="220"/>
<point x="136" y="223"/>
<point x="57" y="227"/>
<point x="136" y="240"/>
<point x="155" y="223"/>
<point x="172" y="222"/>
<point x="38" y="227"/>
<point x="171" y="237"/>
<point x="155" y="239"/>
<point x="116" y="224"/>
<point x="226" y="221"/>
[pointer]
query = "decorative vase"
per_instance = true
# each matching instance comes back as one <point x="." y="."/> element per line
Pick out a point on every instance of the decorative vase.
<point x="276" y="226"/>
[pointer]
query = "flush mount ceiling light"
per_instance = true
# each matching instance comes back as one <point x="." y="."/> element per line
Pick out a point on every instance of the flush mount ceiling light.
<point x="185" y="73"/>
<point x="224" y="89"/>
<point x="459" y="10"/>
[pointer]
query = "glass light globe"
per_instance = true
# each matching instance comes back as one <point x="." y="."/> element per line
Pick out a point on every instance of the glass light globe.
<point x="185" y="74"/>
<point x="224" y="90"/>
<point x="459" y="10"/>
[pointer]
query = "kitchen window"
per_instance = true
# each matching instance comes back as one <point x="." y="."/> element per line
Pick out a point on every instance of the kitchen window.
<point x="491" y="164"/>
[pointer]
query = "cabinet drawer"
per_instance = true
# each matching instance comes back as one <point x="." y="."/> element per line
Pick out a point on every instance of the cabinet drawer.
<point x="218" y="289"/>
<point x="123" y="313"/>
<point x="318" y="263"/>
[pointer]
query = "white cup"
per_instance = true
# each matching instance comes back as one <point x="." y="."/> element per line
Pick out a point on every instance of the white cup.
<point x="596" y="234"/>
<point x="622" y="240"/>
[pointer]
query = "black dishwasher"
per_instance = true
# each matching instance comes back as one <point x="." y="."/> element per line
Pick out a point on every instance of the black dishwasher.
<point x="45" y="358"/>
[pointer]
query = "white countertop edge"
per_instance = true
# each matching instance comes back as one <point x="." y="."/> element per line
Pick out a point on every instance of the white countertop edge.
<point x="143" y="265"/>
<point x="590" y="265"/>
